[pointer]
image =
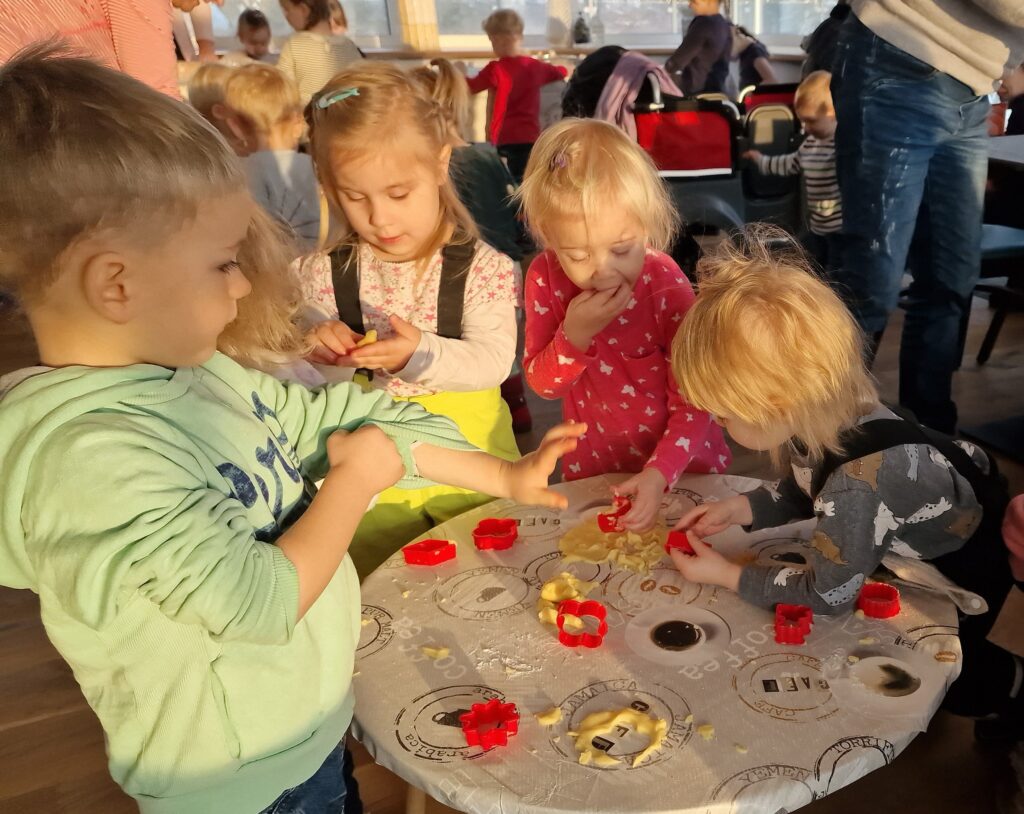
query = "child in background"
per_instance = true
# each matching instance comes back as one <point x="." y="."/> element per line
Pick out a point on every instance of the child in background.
<point x="516" y="80"/>
<point x="206" y="94"/>
<point x="485" y="186"/>
<point x="816" y="160"/>
<point x="254" y="34"/>
<point x="156" y="495"/>
<point x="774" y="354"/>
<point x="602" y="305"/>
<point x="265" y="113"/>
<point x="410" y="268"/>
<point x="313" y="54"/>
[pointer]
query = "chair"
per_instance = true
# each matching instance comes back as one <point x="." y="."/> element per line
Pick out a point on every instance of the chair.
<point x="1002" y="255"/>
<point x="772" y="129"/>
<point x="753" y="96"/>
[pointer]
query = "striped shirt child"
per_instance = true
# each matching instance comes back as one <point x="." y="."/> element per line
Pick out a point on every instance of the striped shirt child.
<point x="816" y="159"/>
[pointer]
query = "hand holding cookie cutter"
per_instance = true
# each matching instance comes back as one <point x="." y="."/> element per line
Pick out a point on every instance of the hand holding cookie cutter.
<point x="589" y="607"/>
<point x="500" y="720"/>
<point x="609" y="521"/>
<point x="429" y="552"/>
<point x="792" y="623"/>
<point x="680" y="540"/>
<point x="495" y="533"/>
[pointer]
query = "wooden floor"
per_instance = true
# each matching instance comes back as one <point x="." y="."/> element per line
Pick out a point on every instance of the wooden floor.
<point x="51" y="746"/>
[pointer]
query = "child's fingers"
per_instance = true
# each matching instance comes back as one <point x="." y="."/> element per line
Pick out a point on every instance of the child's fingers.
<point x="687" y="521"/>
<point x="329" y="338"/>
<point x="567" y="429"/>
<point x="550" y="499"/>
<point x="322" y="356"/>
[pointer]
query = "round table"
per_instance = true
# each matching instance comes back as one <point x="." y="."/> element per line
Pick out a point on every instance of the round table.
<point x="790" y="723"/>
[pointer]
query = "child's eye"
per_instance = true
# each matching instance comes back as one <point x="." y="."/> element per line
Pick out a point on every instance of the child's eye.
<point x="622" y="252"/>
<point x="578" y="259"/>
<point x="354" y="198"/>
<point x="231" y="265"/>
<point x="399" y="196"/>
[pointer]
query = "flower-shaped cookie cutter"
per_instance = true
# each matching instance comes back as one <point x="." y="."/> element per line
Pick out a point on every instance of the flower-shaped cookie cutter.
<point x="609" y="521"/>
<point x="589" y="607"/>
<point x="792" y="623"/>
<point x="429" y="552"/>
<point x="680" y="540"/>
<point x="489" y="725"/>
<point x="495" y="533"/>
<point x="879" y="600"/>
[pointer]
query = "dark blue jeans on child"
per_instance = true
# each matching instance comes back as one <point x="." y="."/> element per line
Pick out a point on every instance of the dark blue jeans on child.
<point x="324" y="792"/>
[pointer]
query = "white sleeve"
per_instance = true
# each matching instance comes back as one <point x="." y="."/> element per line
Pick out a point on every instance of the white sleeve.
<point x="481" y="359"/>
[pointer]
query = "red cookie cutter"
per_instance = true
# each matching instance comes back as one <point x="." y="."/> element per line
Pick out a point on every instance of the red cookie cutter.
<point x="879" y="600"/>
<point x="792" y="623"/>
<point x="429" y="552"/>
<point x="489" y="725"/>
<point x="497" y="533"/>
<point x="609" y="521"/>
<point x="679" y="539"/>
<point x="590" y="607"/>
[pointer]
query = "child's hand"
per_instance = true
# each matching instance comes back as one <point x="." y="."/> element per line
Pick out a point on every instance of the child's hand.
<point x="590" y="311"/>
<point x="645" y="491"/>
<point x="707" y="566"/>
<point x="751" y="155"/>
<point x="334" y="341"/>
<point x="367" y="456"/>
<point x="527" y="478"/>
<point x="711" y="518"/>
<point x="390" y="354"/>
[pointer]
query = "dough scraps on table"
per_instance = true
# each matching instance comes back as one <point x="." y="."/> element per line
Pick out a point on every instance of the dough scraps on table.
<point x="557" y="590"/>
<point x="637" y="552"/>
<point x="605" y="721"/>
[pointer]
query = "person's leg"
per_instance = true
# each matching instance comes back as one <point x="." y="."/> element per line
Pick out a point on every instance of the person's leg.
<point x="946" y="261"/>
<point x="516" y="156"/>
<point x="323" y="793"/>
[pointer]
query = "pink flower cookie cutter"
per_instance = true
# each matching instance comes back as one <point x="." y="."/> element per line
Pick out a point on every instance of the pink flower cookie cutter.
<point x="792" y="623"/>
<point x="495" y="533"/>
<point x="609" y="521"/>
<point x="429" y="552"/>
<point x="879" y="600"/>
<point x="589" y="607"/>
<point x="489" y="725"/>
<point x="680" y="540"/>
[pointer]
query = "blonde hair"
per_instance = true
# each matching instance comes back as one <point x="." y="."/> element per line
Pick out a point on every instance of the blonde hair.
<point x="770" y="343"/>
<point x="503" y="21"/>
<point x="814" y="94"/>
<point x="89" y="150"/>
<point x="389" y="102"/>
<point x="585" y="165"/>
<point x="443" y="82"/>
<point x="263" y="96"/>
<point x="206" y="87"/>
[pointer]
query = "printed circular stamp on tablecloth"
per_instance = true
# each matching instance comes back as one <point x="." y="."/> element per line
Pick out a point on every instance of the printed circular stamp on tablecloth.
<point x="677" y="502"/>
<point x="786" y="686"/>
<point x="679" y="635"/>
<point x="550" y="565"/>
<point x="631" y="593"/>
<point x="772" y="787"/>
<point x="535" y="522"/>
<point x="844" y="761"/>
<point x="483" y="594"/>
<point x="429" y="728"/>
<point x="376" y="631"/>
<point x="941" y="642"/>
<point x="623" y="743"/>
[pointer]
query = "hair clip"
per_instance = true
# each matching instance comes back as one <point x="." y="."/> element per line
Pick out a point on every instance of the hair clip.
<point x="559" y="161"/>
<point x="329" y="99"/>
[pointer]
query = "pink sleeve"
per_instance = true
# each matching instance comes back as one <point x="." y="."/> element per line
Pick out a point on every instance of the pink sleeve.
<point x="483" y="80"/>
<point x="552" y="363"/>
<point x="687" y="428"/>
<point x="141" y="32"/>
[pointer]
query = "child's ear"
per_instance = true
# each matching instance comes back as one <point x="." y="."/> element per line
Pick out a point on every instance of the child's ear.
<point x="443" y="163"/>
<point x="106" y="286"/>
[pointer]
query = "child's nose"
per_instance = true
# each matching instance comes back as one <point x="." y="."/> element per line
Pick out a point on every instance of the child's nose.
<point x="239" y="285"/>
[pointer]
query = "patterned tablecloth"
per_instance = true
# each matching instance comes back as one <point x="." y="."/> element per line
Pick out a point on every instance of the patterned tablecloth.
<point x="790" y="723"/>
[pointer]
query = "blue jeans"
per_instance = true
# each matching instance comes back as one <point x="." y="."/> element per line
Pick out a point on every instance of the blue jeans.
<point x="911" y="156"/>
<point x="323" y="793"/>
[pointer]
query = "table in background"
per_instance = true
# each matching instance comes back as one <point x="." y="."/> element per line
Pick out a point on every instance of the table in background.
<point x="790" y="723"/>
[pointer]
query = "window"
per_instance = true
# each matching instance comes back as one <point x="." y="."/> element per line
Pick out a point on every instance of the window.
<point x="467" y="16"/>
<point x="791" y="19"/>
<point x="366" y="18"/>
<point x="639" y="17"/>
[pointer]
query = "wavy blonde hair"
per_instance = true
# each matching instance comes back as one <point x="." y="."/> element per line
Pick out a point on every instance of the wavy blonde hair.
<point x="88" y="149"/>
<point x="585" y="166"/>
<point x="389" y="101"/>
<point x="263" y="97"/>
<point x="771" y="344"/>
<point x="446" y="85"/>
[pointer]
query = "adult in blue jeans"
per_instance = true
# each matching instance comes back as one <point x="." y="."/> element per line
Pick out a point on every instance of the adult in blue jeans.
<point x="910" y="82"/>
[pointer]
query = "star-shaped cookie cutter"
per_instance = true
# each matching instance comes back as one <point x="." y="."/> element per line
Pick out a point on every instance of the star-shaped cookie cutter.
<point x="495" y="533"/>
<point x="792" y="623"/>
<point x="489" y="725"/>
<point x="609" y="521"/>
<point x="429" y="552"/>
<point x="589" y="607"/>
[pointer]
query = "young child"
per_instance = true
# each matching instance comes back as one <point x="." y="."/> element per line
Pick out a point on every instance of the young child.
<point x="602" y="305"/>
<point x="264" y="112"/>
<point x="816" y="160"/>
<point x="773" y="353"/>
<point x="156" y="494"/>
<point x="206" y="94"/>
<point x="255" y="36"/>
<point x="313" y="54"/>
<point x="516" y="80"/>
<point x="485" y="186"/>
<point x="441" y="303"/>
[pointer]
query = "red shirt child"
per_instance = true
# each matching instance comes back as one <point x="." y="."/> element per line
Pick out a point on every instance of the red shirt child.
<point x="516" y="82"/>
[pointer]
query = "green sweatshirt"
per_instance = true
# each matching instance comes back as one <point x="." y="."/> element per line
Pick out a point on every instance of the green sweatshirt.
<point x="142" y="504"/>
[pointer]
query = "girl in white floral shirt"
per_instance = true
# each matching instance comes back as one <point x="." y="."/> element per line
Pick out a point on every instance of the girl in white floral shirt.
<point x="382" y="147"/>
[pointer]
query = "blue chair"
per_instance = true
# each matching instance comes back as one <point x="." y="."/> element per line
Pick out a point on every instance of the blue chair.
<point x="1002" y="255"/>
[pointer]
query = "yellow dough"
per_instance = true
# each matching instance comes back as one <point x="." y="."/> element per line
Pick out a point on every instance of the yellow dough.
<point x="435" y="653"/>
<point x="549" y="718"/>
<point x="637" y="552"/>
<point x="369" y="339"/>
<point x="555" y="591"/>
<point x="706" y="731"/>
<point x="601" y="723"/>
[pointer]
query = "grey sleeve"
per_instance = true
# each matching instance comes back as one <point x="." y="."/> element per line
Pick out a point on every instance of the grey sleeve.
<point x="773" y="506"/>
<point x="855" y="529"/>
